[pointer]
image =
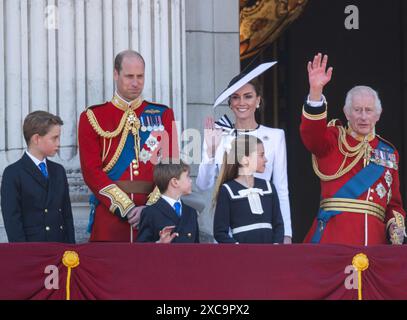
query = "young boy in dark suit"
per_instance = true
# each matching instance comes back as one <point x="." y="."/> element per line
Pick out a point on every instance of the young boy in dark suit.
<point x="170" y="219"/>
<point x="34" y="190"/>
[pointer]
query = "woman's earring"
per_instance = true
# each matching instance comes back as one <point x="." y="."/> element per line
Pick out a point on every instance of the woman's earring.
<point x="258" y="106"/>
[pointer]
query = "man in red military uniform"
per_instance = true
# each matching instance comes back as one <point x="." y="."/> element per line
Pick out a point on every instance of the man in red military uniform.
<point x="119" y="143"/>
<point x="360" y="197"/>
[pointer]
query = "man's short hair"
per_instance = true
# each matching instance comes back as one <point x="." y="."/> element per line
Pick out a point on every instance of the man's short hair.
<point x="39" y="122"/>
<point x="166" y="170"/>
<point x="363" y="90"/>
<point x="126" y="53"/>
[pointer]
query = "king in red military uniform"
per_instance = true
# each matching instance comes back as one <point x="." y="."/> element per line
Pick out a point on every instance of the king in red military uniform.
<point x="360" y="197"/>
<point x="120" y="141"/>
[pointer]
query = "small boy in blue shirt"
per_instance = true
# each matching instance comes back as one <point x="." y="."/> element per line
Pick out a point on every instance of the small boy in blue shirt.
<point x="170" y="219"/>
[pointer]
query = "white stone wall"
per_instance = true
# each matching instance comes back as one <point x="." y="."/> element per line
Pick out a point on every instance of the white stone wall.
<point x="58" y="56"/>
<point x="212" y="37"/>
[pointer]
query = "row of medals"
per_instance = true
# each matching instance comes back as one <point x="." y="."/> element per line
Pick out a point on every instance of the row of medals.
<point x="383" y="158"/>
<point x="151" y="124"/>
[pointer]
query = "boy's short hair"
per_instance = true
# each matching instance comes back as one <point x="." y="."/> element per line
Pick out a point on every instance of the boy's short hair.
<point x="39" y="122"/>
<point x="166" y="170"/>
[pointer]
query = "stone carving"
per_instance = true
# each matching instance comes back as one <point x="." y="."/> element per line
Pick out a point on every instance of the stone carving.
<point x="262" y="21"/>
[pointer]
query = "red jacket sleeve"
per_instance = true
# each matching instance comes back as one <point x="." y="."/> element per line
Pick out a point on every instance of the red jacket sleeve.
<point x="317" y="137"/>
<point x="90" y="153"/>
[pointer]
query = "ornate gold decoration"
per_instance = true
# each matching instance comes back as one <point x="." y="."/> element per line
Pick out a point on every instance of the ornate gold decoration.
<point x="118" y="198"/>
<point x="152" y="111"/>
<point x="361" y="150"/>
<point x="399" y="222"/>
<point x="360" y="262"/>
<point x="314" y="116"/>
<point x="128" y="123"/>
<point x="70" y="260"/>
<point x="262" y="21"/>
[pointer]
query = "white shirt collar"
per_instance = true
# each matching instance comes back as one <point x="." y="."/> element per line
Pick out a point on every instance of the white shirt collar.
<point x="36" y="161"/>
<point x="170" y="201"/>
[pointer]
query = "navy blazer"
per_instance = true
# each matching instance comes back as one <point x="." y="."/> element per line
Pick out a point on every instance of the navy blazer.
<point x="34" y="208"/>
<point x="159" y="215"/>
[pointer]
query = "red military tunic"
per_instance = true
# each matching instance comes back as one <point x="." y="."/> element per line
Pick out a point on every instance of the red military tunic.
<point x="96" y="152"/>
<point x="382" y="199"/>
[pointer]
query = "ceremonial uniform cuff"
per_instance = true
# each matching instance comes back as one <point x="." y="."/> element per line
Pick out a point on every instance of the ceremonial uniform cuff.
<point x="315" y="110"/>
<point x="121" y="204"/>
<point x="398" y="219"/>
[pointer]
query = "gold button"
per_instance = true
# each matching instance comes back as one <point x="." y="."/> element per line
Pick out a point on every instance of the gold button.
<point x="46" y="210"/>
<point x="134" y="161"/>
<point x="189" y="235"/>
<point x="135" y="166"/>
<point x="47" y="228"/>
<point x="371" y="198"/>
<point x="136" y="173"/>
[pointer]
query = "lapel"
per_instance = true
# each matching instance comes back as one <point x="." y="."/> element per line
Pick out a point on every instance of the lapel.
<point x="167" y="210"/>
<point x="35" y="172"/>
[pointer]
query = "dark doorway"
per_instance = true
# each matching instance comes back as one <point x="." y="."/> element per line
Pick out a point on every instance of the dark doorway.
<point x="375" y="55"/>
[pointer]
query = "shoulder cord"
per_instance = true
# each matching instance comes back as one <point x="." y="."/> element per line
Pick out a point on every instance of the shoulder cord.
<point x="128" y="122"/>
<point x="363" y="149"/>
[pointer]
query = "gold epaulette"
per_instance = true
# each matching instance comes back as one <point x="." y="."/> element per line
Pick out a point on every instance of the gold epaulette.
<point x="95" y="106"/>
<point x="334" y="123"/>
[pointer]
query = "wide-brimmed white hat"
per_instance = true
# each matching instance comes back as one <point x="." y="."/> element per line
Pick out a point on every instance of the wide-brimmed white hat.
<point x="240" y="80"/>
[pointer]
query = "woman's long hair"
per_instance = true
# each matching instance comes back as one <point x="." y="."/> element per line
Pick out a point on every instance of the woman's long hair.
<point x="242" y="146"/>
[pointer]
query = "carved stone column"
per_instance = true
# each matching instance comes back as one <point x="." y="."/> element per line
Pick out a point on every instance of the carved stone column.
<point x="58" y="56"/>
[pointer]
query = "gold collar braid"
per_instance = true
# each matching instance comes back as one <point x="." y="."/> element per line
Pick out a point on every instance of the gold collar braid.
<point x="361" y="150"/>
<point x="129" y="122"/>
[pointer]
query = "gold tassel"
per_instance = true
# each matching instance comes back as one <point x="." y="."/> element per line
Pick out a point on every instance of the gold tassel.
<point x="360" y="262"/>
<point x="70" y="260"/>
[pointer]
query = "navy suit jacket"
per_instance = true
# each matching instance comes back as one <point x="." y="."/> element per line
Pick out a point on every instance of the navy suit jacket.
<point x="36" y="209"/>
<point x="159" y="215"/>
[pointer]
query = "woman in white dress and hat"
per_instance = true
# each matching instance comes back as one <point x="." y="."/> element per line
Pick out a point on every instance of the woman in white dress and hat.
<point x="244" y="98"/>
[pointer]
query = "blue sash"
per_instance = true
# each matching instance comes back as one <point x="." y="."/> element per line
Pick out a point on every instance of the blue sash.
<point x="125" y="158"/>
<point x="352" y="189"/>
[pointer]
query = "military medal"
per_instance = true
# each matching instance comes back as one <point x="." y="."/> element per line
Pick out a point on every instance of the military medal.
<point x="155" y="126"/>
<point x="389" y="194"/>
<point x="149" y="127"/>
<point x="143" y="127"/>
<point x="160" y="127"/>
<point x="385" y="159"/>
<point x="388" y="178"/>
<point x="381" y="190"/>
<point x="152" y="142"/>
<point x="145" y="156"/>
